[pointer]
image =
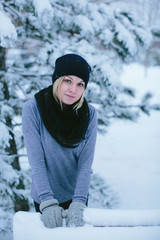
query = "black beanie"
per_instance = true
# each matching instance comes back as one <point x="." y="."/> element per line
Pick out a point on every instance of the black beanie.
<point x="72" y="64"/>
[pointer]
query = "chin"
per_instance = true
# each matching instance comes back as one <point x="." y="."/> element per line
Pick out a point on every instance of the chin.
<point x="69" y="102"/>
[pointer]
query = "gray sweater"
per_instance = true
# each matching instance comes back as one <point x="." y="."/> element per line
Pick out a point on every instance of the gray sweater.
<point x="57" y="172"/>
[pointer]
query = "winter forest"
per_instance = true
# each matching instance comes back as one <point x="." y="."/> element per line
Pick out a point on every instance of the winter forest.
<point x="111" y="35"/>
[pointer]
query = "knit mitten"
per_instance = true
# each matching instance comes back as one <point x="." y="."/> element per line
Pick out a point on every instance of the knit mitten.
<point x="51" y="213"/>
<point x="75" y="214"/>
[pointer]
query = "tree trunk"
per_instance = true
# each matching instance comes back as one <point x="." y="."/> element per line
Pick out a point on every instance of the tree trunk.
<point x="11" y="150"/>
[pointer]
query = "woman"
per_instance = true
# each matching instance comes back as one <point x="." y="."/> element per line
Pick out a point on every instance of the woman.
<point x="59" y="129"/>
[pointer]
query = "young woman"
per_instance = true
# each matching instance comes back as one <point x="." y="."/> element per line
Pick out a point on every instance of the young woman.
<point x="60" y="129"/>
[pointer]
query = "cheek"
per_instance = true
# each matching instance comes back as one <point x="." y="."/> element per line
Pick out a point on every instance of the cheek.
<point x="81" y="92"/>
<point x="61" y="89"/>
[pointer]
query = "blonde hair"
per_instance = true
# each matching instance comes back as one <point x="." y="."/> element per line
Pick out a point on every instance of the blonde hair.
<point x="56" y="89"/>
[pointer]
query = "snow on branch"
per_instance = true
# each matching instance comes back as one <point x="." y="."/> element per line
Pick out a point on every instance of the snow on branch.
<point x="126" y="37"/>
<point x="8" y="34"/>
<point x="84" y="25"/>
<point x="4" y="136"/>
<point x="41" y="6"/>
<point x="44" y="11"/>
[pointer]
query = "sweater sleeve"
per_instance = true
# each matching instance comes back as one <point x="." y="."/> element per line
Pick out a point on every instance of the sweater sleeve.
<point x="32" y="139"/>
<point x="85" y="161"/>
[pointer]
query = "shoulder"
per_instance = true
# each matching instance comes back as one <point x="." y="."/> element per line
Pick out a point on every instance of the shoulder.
<point x="29" y="104"/>
<point x="92" y="111"/>
<point x="30" y="108"/>
<point x="92" y="126"/>
<point x="30" y="115"/>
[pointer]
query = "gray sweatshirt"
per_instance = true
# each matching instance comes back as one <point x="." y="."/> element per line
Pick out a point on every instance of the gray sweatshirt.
<point x="57" y="172"/>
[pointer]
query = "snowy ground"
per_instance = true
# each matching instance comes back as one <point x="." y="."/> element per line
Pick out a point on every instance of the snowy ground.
<point x="131" y="163"/>
<point x="128" y="158"/>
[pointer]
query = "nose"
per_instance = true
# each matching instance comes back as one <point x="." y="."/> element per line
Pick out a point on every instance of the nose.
<point x="72" y="88"/>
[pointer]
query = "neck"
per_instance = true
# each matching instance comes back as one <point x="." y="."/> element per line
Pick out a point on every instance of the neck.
<point x="68" y="106"/>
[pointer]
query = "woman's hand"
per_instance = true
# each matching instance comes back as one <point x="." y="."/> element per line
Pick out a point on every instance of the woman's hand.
<point x="75" y="214"/>
<point x="51" y="213"/>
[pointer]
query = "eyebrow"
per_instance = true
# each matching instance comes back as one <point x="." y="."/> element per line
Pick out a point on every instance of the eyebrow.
<point x="69" y="77"/>
<point x="72" y="79"/>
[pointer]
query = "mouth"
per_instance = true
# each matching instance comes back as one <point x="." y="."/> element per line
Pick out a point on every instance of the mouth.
<point x="69" y="96"/>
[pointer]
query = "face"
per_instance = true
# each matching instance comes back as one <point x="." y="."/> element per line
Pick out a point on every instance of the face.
<point x="71" y="89"/>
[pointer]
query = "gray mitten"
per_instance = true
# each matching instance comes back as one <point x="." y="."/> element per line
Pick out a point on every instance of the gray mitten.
<point x="51" y="213"/>
<point x="75" y="214"/>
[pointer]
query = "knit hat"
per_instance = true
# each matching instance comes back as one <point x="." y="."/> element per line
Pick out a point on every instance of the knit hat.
<point x="72" y="64"/>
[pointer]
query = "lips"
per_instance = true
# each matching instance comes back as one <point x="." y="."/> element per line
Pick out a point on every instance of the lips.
<point x="69" y="96"/>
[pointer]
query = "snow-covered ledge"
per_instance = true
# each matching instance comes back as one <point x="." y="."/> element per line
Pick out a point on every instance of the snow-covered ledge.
<point x="145" y="226"/>
<point x="121" y="217"/>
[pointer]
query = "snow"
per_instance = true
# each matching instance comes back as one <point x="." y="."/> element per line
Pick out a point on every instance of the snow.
<point x="23" y="226"/>
<point x="131" y="161"/>
<point x="8" y="33"/>
<point x="41" y="6"/>
<point x="125" y="36"/>
<point x="9" y="175"/>
<point x="122" y="217"/>
<point x="45" y="12"/>
<point x="84" y="25"/>
<point x="4" y="136"/>
<point x="127" y="157"/>
<point x="142" y="79"/>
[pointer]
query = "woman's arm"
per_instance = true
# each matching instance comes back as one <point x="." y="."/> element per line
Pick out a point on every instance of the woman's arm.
<point x="36" y="157"/>
<point x="85" y="160"/>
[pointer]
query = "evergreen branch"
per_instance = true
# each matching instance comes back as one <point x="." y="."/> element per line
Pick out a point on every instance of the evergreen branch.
<point x="14" y="11"/>
<point x="130" y="106"/>
<point x="9" y="128"/>
<point x="23" y="74"/>
<point x="118" y="47"/>
<point x="17" y="125"/>
<point x="2" y="154"/>
<point x="113" y="1"/>
<point x="24" y="93"/>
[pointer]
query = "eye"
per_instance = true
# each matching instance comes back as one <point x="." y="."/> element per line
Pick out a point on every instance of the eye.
<point x="81" y="84"/>
<point x="67" y="80"/>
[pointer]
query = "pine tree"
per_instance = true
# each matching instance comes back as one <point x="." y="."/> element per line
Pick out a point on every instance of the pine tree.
<point x="102" y="195"/>
<point x="37" y="33"/>
<point x="14" y="181"/>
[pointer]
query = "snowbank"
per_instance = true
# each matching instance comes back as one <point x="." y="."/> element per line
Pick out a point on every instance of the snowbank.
<point x="122" y="217"/>
<point x="28" y="226"/>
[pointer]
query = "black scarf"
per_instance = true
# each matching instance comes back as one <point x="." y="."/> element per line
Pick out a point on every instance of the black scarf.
<point x="67" y="126"/>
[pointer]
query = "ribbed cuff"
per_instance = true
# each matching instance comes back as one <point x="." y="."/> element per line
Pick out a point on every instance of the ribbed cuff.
<point x="48" y="203"/>
<point x="78" y="205"/>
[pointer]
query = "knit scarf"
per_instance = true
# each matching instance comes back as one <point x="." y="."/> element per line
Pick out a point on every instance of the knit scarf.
<point x="67" y="126"/>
